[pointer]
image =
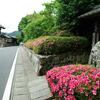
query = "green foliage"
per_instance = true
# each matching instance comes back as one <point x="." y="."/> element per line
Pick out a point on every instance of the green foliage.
<point x="63" y="33"/>
<point x="38" y="24"/>
<point x="58" y="15"/>
<point x="69" y="10"/>
<point x="34" y="29"/>
<point x="25" y="21"/>
<point x="19" y="38"/>
<point x="49" y="45"/>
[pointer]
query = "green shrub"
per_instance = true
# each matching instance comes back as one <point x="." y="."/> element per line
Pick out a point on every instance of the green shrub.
<point x="63" y="33"/>
<point x="49" y="45"/>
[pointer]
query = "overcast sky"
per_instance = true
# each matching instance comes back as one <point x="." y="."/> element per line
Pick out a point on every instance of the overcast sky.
<point x="11" y="11"/>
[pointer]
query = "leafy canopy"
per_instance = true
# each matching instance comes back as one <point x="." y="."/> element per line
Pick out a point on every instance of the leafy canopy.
<point x="58" y="15"/>
<point x="37" y="24"/>
<point x="69" y="10"/>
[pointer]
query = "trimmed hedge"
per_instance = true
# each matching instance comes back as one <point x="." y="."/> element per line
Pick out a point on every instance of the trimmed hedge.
<point x="49" y="45"/>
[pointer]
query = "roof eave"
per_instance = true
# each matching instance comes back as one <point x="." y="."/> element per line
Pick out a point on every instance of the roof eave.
<point x="90" y="13"/>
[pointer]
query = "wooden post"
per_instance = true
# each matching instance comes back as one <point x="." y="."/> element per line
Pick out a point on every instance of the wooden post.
<point x="97" y="37"/>
<point x="0" y="30"/>
<point x="93" y="39"/>
<point x="97" y="31"/>
<point x="96" y="34"/>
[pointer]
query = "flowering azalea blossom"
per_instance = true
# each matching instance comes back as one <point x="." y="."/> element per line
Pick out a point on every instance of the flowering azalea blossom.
<point x="70" y="82"/>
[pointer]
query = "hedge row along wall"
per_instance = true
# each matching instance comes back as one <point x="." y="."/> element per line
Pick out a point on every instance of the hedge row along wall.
<point x="60" y="51"/>
<point x="50" y="45"/>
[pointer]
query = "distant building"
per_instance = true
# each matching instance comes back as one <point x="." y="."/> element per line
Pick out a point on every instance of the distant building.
<point x="6" y="40"/>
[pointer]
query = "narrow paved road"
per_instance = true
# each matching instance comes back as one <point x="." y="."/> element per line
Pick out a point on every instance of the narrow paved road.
<point x="7" y="55"/>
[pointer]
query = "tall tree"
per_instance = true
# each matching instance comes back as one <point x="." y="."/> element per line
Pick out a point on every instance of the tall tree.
<point x="37" y="24"/>
<point x="69" y="10"/>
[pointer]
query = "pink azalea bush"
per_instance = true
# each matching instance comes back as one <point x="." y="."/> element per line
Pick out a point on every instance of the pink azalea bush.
<point x="35" y="42"/>
<point x="75" y="82"/>
<point x="50" y="45"/>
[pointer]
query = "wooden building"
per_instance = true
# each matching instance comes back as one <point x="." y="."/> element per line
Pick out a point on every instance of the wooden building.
<point x="6" y="40"/>
<point x="94" y="16"/>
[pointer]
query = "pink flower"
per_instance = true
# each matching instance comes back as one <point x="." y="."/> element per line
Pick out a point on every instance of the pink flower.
<point x="70" y="97"/>
<point x="86" y="94"/>
<point x="70" y="91"/>
<point x="60" y="94"/>
<point x="64" y="89"/>
<point x="81" y="90"/>
<point x="94" y="92"/>
<point x="98" y="83"/>
<point x="68" y="80"/>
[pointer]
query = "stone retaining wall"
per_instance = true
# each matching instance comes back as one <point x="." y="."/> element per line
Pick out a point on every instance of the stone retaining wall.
<point x="44" y="63"/>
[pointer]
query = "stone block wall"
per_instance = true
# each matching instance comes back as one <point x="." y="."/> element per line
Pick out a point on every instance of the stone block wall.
<point x="63" y="59"/>
<point x="44" y="63"/>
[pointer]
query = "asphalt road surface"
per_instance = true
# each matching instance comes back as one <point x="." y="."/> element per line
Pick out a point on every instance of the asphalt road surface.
<point x="7" y="55"/>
